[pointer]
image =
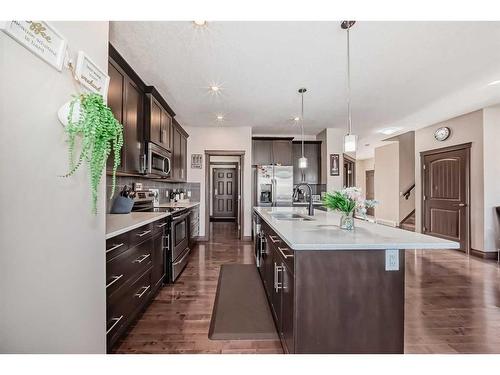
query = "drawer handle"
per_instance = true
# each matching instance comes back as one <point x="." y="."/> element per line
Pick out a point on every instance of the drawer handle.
<point x="144" y="233"/>
<point x="117" y="320"/>
<point x="142" y="258"/>
<point x="144" y="290"/>
<point x="161" y="225"/>
<point x="115" y="279"/>
<point x="286" y="256"/>
<point x="273" y="238"/>
<point x="115" y="247"/>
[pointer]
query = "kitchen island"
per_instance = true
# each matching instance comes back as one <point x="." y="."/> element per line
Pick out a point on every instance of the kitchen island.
<point x="331" y="290"/>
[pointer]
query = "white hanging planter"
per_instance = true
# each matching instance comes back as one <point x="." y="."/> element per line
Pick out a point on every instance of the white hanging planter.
<point x="63" y="112"/>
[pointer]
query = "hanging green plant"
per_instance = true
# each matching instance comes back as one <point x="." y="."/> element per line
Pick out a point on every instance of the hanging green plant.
<point x="101" y="134"/>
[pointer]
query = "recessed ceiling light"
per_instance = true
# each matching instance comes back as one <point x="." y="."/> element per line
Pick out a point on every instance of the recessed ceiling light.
<point x="296" y="119"/>
<point x="200" y="22"/>
<point x="494" y="83"/>
<point x="214" y="88"/>
<point x="220" y="117"/>
<point x="389" y="131"/>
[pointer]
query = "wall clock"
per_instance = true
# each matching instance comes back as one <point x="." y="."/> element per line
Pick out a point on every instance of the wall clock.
<point x="442" y="134"/>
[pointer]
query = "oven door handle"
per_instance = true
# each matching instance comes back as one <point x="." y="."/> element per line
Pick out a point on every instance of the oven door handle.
<point x="180" y="217"/>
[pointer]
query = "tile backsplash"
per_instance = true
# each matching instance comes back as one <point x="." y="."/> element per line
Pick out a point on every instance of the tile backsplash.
<point x="194" y="187"/>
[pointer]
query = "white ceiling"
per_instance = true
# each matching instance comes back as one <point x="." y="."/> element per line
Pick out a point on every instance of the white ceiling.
<point x="404" y="74"/>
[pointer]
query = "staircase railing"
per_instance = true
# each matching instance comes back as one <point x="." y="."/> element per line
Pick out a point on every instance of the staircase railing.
<point x="406" y="194"/>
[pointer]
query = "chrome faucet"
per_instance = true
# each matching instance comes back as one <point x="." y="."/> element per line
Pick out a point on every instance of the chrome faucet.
<point x="311" y="205"/>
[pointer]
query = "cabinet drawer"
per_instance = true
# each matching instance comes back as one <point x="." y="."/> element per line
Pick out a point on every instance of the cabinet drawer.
<point x="122" y="309"/>
<point x="140" y="234"/>
<point x="160" y="226"/>
<point x="281" y="249"/>
<point x="127" y="265"/>
<point x="116" y="245"/>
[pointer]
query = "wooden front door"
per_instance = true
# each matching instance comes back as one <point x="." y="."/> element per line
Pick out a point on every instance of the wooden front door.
<point x="224" y="193"/>
<point x="370" y="189"/>
<point x="445" y="194"/>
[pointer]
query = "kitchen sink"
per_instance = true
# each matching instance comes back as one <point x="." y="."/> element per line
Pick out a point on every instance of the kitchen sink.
<point x="290" y="217"/>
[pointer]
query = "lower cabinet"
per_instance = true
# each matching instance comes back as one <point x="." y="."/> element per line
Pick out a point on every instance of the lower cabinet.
<point x="135" y="270"/>
<point x="277" y="273"/>
<point x="194" y="226"/>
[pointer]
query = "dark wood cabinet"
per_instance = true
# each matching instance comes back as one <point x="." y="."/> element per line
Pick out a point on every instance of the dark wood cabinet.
<point x="282" y="152"/>
<point x="262" y="152"/>
<point x="135" y="271"/>
<point x="320" y="303"/>
<point x="158" y="116"/>
<point x="179" y="169"/>
<point x="312" y="151"/>
<point x="126" y="100"/>
<point x="133" y="128"/>
<point x="287" y="309"/>
<point x="272" y="151"/>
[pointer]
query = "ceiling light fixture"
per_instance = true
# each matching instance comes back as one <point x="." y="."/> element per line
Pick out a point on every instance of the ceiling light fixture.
<point x="296" y="119"/>
<point x="200" y="23"/>
<point x="494" y="83"/>
<point x="220" y="117"/>
<point x="303" y="159"/>
<point x="215" y="88"/>
<point x="389" y="131"/>
<point x="349" y="139"/>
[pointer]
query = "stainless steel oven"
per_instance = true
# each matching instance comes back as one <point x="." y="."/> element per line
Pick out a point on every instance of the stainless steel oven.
<point x="179" y="243"/>
<point x="158" y="161"/>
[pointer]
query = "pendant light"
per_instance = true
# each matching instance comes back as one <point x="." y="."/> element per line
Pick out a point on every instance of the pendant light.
<point x="303" y="159"/>
<point x="349" y="138"/>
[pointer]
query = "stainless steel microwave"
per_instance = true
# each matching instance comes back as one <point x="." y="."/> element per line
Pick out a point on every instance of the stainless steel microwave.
<point x="158" y="162"/>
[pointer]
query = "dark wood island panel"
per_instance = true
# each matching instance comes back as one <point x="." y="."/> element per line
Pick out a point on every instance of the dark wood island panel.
<point x="346" y="302"/>
<point x="339" y="301"/>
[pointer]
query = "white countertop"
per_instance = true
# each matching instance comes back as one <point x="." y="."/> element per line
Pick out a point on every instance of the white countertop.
<point x="323" y="233"/>
<point x="120" y="223"/>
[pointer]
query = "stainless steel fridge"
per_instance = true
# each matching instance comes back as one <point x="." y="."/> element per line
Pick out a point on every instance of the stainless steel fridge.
<point x="274" y="185"/>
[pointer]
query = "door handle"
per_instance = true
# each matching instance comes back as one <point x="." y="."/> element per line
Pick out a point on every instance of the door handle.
<point x="460" y="205"/>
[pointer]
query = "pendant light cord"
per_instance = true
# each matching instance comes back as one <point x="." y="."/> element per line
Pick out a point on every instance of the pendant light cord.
<point x="302" y="122"/>
<point x="349" y="122"/>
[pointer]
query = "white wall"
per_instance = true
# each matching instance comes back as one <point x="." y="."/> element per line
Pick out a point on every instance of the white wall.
<point x="465" y="128"/>
<point x="52" y="264"/>
<point x="332" y="143"/>
<point x="361" y="167"/>
<point x="222" y="138"/>
<point x="387" y="184"/>
<point x="491" y="143"/>
<point x="406" y="173"/>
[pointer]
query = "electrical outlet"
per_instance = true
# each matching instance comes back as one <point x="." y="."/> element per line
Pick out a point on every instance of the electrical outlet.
<point x="392" y="260"/>
<point x="189" y="193"/>
<point x="167" y="195"/>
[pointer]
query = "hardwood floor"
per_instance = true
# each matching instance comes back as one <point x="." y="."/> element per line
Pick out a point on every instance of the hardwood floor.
<point x="452" y="304"/>
<point x="178" y="319"/>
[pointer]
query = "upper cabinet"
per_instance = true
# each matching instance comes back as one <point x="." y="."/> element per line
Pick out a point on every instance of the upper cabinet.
<point x="268" y="151"/>
<point x="158" y="124"/>
<point x="146" y="117"/>
<point x="312" y="151"/>
<point x="282" y="152"/>
<point x="179" y="169"/>
<point x="126" y="100"/>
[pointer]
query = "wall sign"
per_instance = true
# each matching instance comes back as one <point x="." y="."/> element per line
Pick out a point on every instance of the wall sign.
<point x="334" y="165"/>
<point x="196" y="161"/>
<point x="91" y="76"/>
<point x="40" y="38"/>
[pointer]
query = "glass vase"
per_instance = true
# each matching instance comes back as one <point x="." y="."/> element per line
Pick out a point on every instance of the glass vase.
<point x="347" y="221"/>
